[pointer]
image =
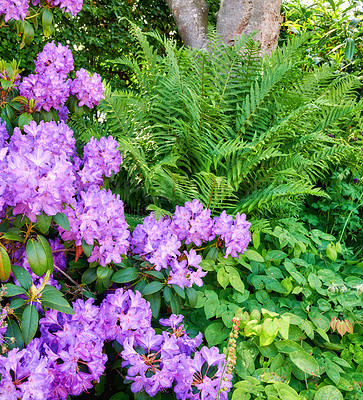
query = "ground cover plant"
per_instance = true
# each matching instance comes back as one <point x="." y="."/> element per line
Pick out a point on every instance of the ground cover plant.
<point x="188" y="302"/>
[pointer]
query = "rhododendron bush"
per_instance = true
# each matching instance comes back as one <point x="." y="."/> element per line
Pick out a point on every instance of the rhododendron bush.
<point x="54" y="209"/>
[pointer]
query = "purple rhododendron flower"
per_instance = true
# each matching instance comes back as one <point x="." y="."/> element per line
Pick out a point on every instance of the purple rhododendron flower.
<point x="88" y="89"/>
<point x="70" y="6"/>
<point x="14" y="9"/>
<point x="100" y="158"/>
<point x="54" y="60"/>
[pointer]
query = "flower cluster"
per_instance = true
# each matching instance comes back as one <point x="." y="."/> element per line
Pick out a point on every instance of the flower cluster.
<point x="49" y="86"/>
<point x="97" y="217"/>
<point x="40" y="171"/>
<point x="37" y="173"/>
<point x="88" y="89"/>
<point x="159" y="241"/>
<point x="68" y="357"/>
<point x="160" y="362"/>
<point x="100" y="158"/>
<point x="17" y="9"/>
<point x="14" y="9"/>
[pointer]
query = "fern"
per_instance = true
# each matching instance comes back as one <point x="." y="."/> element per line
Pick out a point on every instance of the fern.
<point x="228" y="127"/>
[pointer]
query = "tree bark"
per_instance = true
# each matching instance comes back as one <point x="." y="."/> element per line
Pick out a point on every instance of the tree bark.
<point x="191" y="18"/>
<point x="236" y="17"/>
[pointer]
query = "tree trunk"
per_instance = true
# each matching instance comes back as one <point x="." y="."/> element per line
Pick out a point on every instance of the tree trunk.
<point x="191" y="18"/>
<point x="235" y="17"/>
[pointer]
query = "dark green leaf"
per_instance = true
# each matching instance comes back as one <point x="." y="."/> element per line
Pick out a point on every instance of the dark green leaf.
<point x="16" y="303"/>
<point x="12" y="236"/>
<point x="24" y="119"/>
<point x="29" y="323"/>
<point x="216" y="333"/>
<point x="13" y="290"/>
<point x="152" y="287"/>
<point x="192" y="296"/>
<point x="43" y="222"/>
<point x="155" y="303"/>
<point x="87" y="248"/>
<point x="37" y="258"/>
<point x="62" y="220"/>
<point x="57" y="302"/>
<point x="167" y="293"/>
<point x="103" y="272"/>
<point x="13" y="331"/>
<point x="125" y="275"/>
<point x="22" y="276"/>
<point x="179" y="291"/>
<point x="89" y="276"/>
<point x="48" y="253"/>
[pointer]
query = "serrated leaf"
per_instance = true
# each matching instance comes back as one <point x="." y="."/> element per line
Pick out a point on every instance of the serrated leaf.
<point x="62" y="220"/>
<point x="22" y="276"/>
<point x="5" y="265"/>
<point x="125" y="275"/>
<point x="56" y="302"/>
<point x="29" y="323"/>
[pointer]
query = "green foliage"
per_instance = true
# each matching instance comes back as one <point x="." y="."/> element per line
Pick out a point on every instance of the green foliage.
<point x="342" y="213"/>
<point x="300" y="314"/>
<point x="229" y="128"/>
<point x="336" y="31"/>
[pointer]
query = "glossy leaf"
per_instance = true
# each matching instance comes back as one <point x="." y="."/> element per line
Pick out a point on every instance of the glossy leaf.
<point x="22" y="276"/>
<point x="5" y="265"/>
<point x="29" y="323"/>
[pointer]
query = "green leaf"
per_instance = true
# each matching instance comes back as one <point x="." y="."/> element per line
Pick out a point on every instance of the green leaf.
<point x="12" y="236"/>
<point x="13" y="331"/>
<point x="48" y="253"/>
<point x="253" y="255"/>
<point x="47" y="17"/>
<point x="235" y="279"/>
<point x="275" y="255"/>
<point x="192" y="296"/>
<point x="256" y="239"/>
<point x="29" y="323"/>
<point x="36" y="257"/>
<point x="89" y="276"/>
<point x="305" y="362"/>
<point x="222" y="277"/>
<point x="332" y="370"/>
<point x="210" y="307"/>
<point x="56" y="302"/>
<point x="216" y="333"/>
<point x="179" y="291"/>
<point x="22" y="276"/>
<point x="328" y="393"/>
<point x="87" y="248"/>
<point x="62" y="220"/>
<point x="155" y="303"/>
<point x="43" y="222"/>
<point x="152" y="287"/>
<point x="24" y="119"/>
<point x="13" y="290"/>
<point x="167" y="293"/>
<point x="175" y="305"/>
<point x="103" y="272"/>
<point x="349" y="49"/>
<point x="48" y="289"/>
<point x="16" y="303"/>
<point x="5" y="265"/>
<point x="287" y="346"/>
<point x="125" y="275"/>
<point x="319" y="320"/>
